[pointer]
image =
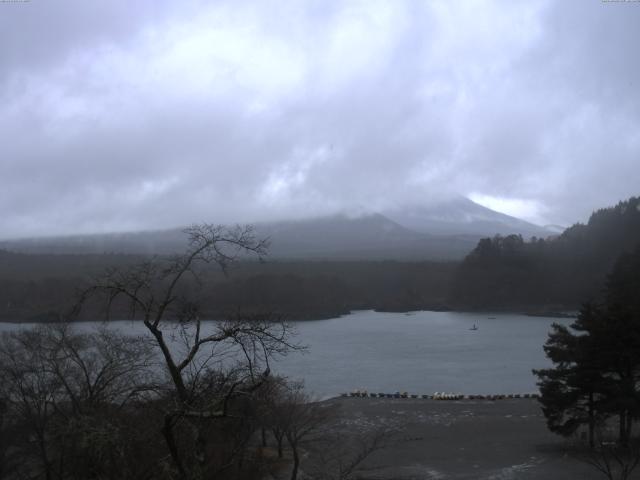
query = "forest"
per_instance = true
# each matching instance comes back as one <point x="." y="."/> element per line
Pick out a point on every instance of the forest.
<point x="547" y="274"/>
<point x="535" y="276"/>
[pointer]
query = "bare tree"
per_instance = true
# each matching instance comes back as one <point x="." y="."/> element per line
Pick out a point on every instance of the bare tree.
<point x="341" y="457"/>
<point x="5" y="465"/>
<point x="30" y="392"/>
<point x="56" y="382"/>
<point x="209" y="365"/>
<point x="615" y="461"/>
<point x="271" y="398"/>
<point x="310" y="427"/>
<point x="300" y="419"/>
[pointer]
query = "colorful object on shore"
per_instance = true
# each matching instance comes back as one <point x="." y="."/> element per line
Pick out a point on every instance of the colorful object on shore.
<point x="440" y="396"/>
<point x="447" y="396"/>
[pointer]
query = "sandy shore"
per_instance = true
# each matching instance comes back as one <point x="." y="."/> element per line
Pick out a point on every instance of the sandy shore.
<point x="467" y="439"/>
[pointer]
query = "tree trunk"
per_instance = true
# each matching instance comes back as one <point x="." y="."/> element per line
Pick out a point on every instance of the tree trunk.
<point x="175" y="374"/>
<point x="264" y="436"/>
<point x="592" y="422"/>
<point x="167" y="432"/>
<point x="623" y="438"/>
<point x="46" y="463"/>
<point x="296" y="461"/>
<point x="279" y="439"/>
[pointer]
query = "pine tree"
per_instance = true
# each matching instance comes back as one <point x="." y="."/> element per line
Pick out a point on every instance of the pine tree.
<point x="571" y="392"/>
<point x="596" y="372"/>
<point x="620" y="334"/>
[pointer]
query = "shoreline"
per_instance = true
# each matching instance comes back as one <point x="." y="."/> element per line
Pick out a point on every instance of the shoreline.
<point x="441" y="396"/>
<point x="542" y="314"/>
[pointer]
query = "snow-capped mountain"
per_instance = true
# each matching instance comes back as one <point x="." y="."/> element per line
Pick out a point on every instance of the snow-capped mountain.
<point x="461" y="216"/>
<point x="444" y="231"/>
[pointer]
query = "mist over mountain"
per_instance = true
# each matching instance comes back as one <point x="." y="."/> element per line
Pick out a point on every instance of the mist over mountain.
<point x="443" y="231"/>
<point x="462" y="216"/>
<point x="366" y="237"/>
<point x="328" y="266"/>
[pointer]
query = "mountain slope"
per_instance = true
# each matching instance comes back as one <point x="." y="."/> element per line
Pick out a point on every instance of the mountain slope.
<point x="371" y="237"/>
<point x="461" y="216"/>
<point x="336" y="237"/>
<point x="444" y="231"/>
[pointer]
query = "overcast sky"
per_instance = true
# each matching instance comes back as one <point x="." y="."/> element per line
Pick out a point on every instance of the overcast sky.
<point x="121" y="115"/>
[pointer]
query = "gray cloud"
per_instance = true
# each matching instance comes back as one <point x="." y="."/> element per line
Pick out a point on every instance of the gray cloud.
<point x="120" y="117"/>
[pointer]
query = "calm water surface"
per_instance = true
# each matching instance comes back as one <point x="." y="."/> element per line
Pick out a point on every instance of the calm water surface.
<point x="421" y="352"/>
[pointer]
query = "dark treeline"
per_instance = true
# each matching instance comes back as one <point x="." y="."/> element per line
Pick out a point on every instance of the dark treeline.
<point x="547" y="274"/>
<point x="501" y="273"/>
<point x="321" y="289"/>
<point x="43" y="287"/>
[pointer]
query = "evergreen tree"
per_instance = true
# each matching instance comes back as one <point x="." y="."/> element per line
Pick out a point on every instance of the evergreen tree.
<point x="596" y="371"/>
<point x="620" y="333"/>
<point x="571" y="392"/>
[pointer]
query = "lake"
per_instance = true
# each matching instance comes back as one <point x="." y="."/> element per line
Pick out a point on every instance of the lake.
<point x="420" y="352"/>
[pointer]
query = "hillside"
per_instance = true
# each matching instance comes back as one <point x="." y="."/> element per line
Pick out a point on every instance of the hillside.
<point x="328" y="273"/>
<point x="558" y="273"/>
<point x="366" y="237"/>
<point x="441" y="231"/>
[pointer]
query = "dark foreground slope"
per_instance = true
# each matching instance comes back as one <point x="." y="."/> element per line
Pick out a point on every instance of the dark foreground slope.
<point x="505" y="439"/>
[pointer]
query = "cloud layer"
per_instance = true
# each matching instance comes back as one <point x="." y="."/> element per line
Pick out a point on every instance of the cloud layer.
<point x="155" y="114"/>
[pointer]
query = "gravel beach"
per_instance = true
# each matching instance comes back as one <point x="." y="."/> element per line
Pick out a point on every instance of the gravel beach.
<point x="466" y="439"/>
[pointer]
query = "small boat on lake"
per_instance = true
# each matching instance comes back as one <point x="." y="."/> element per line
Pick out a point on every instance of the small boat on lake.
<point x="475" y="327"/>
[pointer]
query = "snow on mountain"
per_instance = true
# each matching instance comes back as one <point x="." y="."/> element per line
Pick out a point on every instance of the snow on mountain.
<point x="461" y="216"/>
<point x="442" y="231"/>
